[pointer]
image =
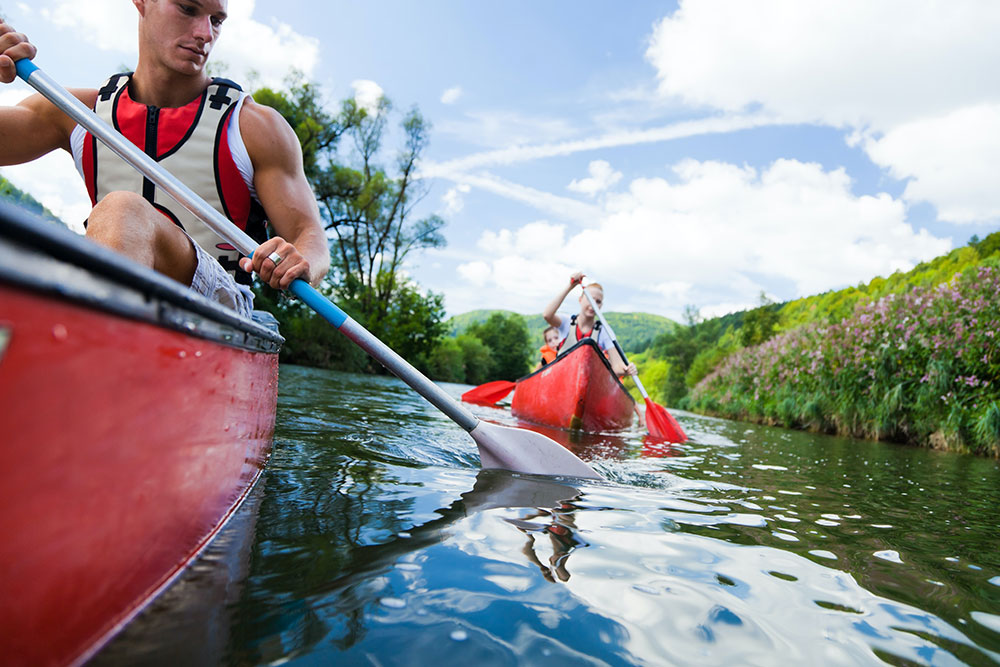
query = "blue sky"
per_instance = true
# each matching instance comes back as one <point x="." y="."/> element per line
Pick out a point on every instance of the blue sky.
<point x="679" y="154"/>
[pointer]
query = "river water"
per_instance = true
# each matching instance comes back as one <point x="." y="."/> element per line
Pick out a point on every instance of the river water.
<point x="374" y="538"/>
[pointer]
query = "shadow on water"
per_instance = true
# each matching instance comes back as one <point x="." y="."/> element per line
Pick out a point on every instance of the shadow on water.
<point x="377" y="540"/>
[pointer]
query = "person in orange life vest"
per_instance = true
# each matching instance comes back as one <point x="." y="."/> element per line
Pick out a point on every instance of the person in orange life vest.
<point x="549" y="350"/>
<point x="166" y="101"/>
<point x="584" y="324"/>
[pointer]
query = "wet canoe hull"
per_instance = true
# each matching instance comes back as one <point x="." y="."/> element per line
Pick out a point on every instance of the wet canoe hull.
<point x="576" y="391"/>
<point x="129" y="439"/>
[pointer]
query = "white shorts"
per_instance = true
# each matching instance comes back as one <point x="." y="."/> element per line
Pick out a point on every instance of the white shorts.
<point x="214" y="282"/>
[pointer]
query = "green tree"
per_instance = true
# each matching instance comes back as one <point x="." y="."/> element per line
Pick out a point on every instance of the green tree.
<point x="368" y="214"/>
<point x="476" y="357"/>
<point x="368" y="211"/>
<point x="412" y="324"/>
<point x="446" y="362"/>
<point x="761" y="323"/>
<point x="509" y="344"/>
<point x="318" y="131"/>
<point x="309" y="339"/>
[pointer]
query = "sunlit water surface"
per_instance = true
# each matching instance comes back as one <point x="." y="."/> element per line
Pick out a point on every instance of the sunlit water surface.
<point x="374" y="538"/>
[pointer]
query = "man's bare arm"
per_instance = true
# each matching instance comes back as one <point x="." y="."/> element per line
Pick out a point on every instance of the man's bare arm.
<point x="35" y="126"/>
<point x="287" y="198"/>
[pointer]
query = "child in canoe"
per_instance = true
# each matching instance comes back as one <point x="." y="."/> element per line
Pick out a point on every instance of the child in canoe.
<point x="549" y="350"/>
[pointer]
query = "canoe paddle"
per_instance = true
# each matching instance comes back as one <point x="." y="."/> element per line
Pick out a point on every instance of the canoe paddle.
<point x="489" y="393"/>
<point x="499" y="446"/>
<point x="660" y="423"/>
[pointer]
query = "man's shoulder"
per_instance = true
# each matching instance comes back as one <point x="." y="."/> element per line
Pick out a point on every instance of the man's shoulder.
<point x="259" y="117"/>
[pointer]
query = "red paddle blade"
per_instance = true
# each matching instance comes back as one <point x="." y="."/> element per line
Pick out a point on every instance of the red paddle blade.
<point x="489" y="393"/>
<point x="662" y="425"/>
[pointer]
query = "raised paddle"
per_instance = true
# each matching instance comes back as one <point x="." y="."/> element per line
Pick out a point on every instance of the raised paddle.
<point x="489" y="393"/>
<point x="499" y="446"/>
<point x="660" y="423"/>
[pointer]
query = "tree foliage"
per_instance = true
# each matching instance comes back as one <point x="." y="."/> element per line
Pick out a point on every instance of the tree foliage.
<point x="461" y="359"/>
<point x="367" y="211"/>
<point x="759" y="324"/>
<point x="506" y="336"/>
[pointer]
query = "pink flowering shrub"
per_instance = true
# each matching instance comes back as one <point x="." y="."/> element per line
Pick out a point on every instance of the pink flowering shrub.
<point x="922" y="366"/>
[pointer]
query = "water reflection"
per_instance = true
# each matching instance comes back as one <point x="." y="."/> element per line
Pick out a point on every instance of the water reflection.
<point x="379" y="541"/>
<point x="587" y="446"/>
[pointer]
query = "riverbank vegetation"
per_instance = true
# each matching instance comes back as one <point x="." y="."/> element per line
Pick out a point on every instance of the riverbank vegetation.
<point x="910" y="358"/>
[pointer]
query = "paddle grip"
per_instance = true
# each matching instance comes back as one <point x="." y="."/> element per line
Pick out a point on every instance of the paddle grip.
<point x="25" y="68"/>
<point x="319" y="303"/>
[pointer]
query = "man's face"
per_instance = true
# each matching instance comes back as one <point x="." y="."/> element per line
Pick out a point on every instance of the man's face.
<point x="180" y="34"/>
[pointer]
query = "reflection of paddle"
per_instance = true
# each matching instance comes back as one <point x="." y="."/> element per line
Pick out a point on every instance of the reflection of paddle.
<point x="661" y="424"/>
<point x="489" y="393"/>
<point x="499" y="446"/>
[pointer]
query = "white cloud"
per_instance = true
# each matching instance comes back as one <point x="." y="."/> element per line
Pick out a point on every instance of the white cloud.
<point x="838" y="62"/>
<point x="505" y="128"/>
<point x="562" y="207"/>
<point x="950" y="160"/>
<point x="246" y="46"/>
<point x="534" y="240"/>
<point x="712" y="233"/>
<point x="453" y="200"/>
<point x="271" y="50"/>
<point x="900" y="74"/>
<point x="528" y="152"/>
<point x="602" y="177"/>
<point x="109" y="25"/>
<point x="476" y="273"/>
<point x="451" y="95"/>
<point x="676" y="291"/>
<point x="367" y="94"/>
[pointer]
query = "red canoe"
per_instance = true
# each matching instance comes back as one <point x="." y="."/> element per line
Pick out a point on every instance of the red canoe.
<point x="576" y="391"/>
<point x="135" y="419"/>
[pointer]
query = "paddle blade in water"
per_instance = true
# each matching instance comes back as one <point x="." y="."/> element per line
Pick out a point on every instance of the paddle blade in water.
<point x="525" y="451"/>
<point x="489" y="393"/>
<point x="662" y="425"/>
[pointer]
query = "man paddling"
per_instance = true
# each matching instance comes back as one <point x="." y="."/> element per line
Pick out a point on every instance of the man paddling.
<point x="583" y="325"/>
<point x="241" y="157"/>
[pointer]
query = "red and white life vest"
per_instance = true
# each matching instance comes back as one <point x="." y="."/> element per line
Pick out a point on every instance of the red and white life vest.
<point x="190" y="142"/>
<point x="574" y="327"/>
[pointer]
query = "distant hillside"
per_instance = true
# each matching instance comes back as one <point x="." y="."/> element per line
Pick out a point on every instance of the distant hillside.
<point x="11" y="193"/>
<point x="635" y="331"/>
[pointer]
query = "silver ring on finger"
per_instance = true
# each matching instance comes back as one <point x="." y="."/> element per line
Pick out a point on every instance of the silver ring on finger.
<point x="276" y="258"/>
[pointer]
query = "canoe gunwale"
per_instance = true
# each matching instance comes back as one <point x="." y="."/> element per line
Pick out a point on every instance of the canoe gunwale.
<point x="563" y="355"/>
<point x="46" y="258"/>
